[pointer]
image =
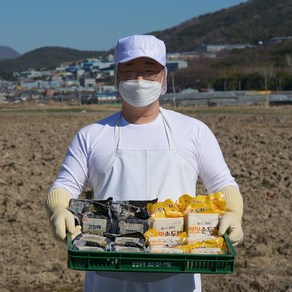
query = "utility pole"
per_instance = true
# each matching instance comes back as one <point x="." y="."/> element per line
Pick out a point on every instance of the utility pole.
<point x="173" y="89"/>
<point x="266" y="92"/>
<point x="266" y="83"/>
<point x="79" y="95"/>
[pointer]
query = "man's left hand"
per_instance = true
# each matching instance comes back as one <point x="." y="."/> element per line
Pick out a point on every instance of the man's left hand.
<point x="231" y="220"/>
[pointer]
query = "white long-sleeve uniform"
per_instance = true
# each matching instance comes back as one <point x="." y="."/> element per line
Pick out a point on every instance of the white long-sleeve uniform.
<point x="193" y="140"/>
<point x="161" y="159"/>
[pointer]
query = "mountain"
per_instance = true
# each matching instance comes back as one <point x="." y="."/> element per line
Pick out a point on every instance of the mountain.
<point x="46" y="57"/>
<point x="8" y="53"/>
<point x="249" y="22"/>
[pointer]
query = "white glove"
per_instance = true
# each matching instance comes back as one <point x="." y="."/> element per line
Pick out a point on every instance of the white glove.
<point x="231" y="220"/>
<point x="62" y="220"/>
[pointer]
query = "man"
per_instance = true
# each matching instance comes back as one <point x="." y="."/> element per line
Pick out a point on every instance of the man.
<point x="143" y="152"/>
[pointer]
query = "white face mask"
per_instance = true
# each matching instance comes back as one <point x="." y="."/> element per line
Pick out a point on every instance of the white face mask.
<point x="139" y="93"/>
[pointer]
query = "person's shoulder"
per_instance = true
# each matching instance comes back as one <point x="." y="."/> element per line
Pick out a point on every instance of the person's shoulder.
<point x="178" y="117"/>
<point x="109" y="121"/>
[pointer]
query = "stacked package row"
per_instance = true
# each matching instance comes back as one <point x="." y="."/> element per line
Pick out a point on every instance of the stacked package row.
<point x="188" y="225"/>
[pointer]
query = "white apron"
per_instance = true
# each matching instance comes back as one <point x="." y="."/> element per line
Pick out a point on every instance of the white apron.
<point x="143" y="175"/>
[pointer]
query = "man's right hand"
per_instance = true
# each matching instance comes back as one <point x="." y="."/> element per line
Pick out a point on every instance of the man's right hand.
<point x="61" y="220"/>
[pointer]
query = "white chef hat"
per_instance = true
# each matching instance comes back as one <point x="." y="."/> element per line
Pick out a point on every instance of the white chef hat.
<point x="136" y="46"/>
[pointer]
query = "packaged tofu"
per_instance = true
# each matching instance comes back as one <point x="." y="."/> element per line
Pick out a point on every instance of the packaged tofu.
<point x="123" y="239"/>
<point x="207" y="250"/>
<point x="166" y="241"/>
<point x="162" y="249"/>
<point x="154" y="239"/>
<point x="126" y="248"/>
<point x="89" y="248"/>
<point x="90" y="242"/>
<point x="164" y="209"/>
<point x="167" y="226"/>
<point x="81" y="206"/>
<point x="199" y="238"/>
<point x="198" y="224"/>
<point x="92" y="239"/>
<point x="95" y="224"/>
<point x="212" y="203"/>
<point x="211" y="246"/>
<point x="132" y="224"/>
<point x="129" y="216"/>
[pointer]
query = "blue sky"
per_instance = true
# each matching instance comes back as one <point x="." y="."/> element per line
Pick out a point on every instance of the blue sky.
<point x="26" y="25"/>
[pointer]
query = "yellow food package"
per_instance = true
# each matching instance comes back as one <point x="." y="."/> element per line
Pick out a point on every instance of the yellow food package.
<point x="184" y="248"/>
<point x="173" y="210"/>
<point x="185" y="200"/>
<point x="163" y="249"/>
<point x="167" y="226"/>
<point x="199" y="224"/>
<point x="218" y="203"/>
<point x="168" y="241"/>
<point x="210" y="246"/>
<point x="199" y="207"/>
<point x="199" y="238"/>
<point x="151" y="233"/>
<point x="212" y="203"/>
<point x="164" y="209"/>
<point x="158" y="210"/>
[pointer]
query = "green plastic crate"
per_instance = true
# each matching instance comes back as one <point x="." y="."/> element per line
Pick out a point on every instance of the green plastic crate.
<point x="152" y="262"/>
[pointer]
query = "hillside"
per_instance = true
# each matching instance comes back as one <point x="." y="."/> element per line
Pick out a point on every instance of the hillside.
<point x="46" y="57"/>
<point x="251" y="67"/>
<point x="249" y="22"/>
<point x="8" y="53"/>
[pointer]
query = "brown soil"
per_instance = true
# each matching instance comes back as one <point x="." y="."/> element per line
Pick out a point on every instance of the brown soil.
<point x="256" y="143"/>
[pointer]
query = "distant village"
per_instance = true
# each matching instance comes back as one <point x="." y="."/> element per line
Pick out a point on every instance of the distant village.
<point x="84" y="82"/>
<point x="90" y="81"/>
